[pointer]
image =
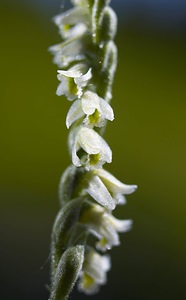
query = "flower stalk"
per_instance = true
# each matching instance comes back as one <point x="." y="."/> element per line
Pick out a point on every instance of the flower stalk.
<point x="87" y="59"/>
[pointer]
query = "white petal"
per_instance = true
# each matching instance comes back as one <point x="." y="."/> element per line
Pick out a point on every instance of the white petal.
<point x="89" y="140"/>
<point x="61" y="89"/>
<point x="75" y="159"/>
<point x="120" y="198"/>
<point x="83" y="79"/>
<point x="119" y="225"/>
<point x="70" y="73"/>
<point x="93" y="143"/>
<point x="72" y="16"/>
<point x="72" y="138"/>
<point x="72" y="81"/>
<point x="96" y="266"/>
<point x="106" y="110"/>
<point x="64" y="88"/>
<point x="77" y="17"/>
<point x="89" y="289"/>
<point x="90" y="102"/>
<point x="71" y="47"/>
<point x="75" y="112"/>
<point x="106" y="152"/>
<point x="76" y="71"/>
<point x="110" y="238"/>
<point x="97" y="190"/>
<point x="114" y="184"/>
<point x="101" y="224"/>
<point x="75" y="31"/>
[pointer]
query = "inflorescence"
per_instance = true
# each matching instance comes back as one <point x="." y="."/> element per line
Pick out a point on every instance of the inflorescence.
<point x="85" y="228"/>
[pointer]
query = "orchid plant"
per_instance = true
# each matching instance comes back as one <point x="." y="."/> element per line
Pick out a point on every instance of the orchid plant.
<point x="87" y="59"/>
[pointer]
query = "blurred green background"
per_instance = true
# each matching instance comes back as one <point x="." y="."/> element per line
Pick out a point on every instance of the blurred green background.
<point x="148" y="143"/>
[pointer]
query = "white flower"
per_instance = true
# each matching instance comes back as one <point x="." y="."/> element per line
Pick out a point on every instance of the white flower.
<point x="104" y="226"/>
<point x="107" y="190"/>
<point x="94" y="272"/>
<point x="96" y="149"/>
<point x="73" y="81"/>
<point x="67" y="52"/>
<point x="96" y="109"/>
<point x="73" y="25"/>
<point x="73" y="22"/>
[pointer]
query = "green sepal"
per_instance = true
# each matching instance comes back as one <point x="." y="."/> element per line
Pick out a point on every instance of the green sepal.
<point x="63" y="227"/>
<point x="97" y="9"/>
<point x="109" y="61"/>
<point x="67" y="272"/>
<point x="79" y="235"/>
<point x="108" y="58"/>
<point x="69" y="184"/>
<point x="107" y="25"/>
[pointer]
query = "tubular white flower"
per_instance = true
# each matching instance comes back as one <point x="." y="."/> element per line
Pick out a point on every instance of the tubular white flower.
<point x="73" y="81"/>
<point x="111" y="190"/>
<point x="68" y="52"/>
<point x="104" y="226"/>
<point x="96" y="109"/>
<point x="108" y="231"/>
<point x="116" y="188"/>
<point x="94" y="272"/>
<point x="73" y="22"/>
<point x="97" y="150"/>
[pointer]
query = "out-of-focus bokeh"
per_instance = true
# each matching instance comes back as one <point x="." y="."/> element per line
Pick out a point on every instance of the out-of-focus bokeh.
<point x="147" y="139"/>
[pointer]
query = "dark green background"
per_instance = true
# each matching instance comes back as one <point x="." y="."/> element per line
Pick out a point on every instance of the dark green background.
<point x="148" y="143"/>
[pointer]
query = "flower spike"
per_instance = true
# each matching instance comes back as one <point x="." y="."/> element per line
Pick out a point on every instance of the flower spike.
<point x="88" y="194"/>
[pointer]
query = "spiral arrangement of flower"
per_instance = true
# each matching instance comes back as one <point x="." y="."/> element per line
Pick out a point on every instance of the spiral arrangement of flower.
<point x="85" y="229"/>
